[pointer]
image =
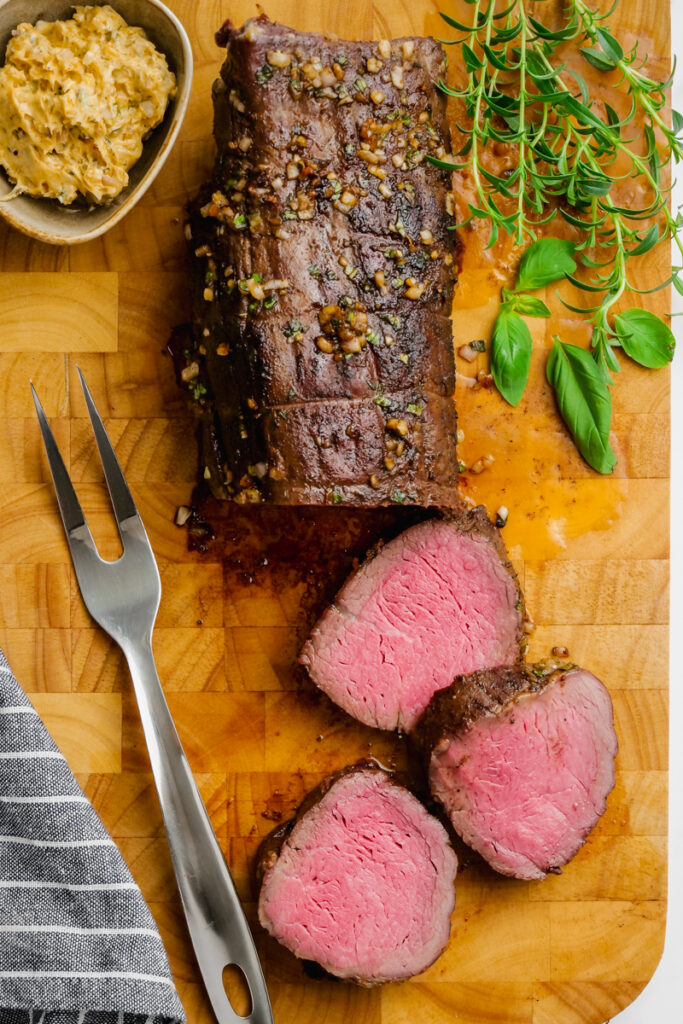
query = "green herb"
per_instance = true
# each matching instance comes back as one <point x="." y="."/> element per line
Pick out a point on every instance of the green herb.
<point x="337" y="497"/>
<point x="417" y="408"/>
<point x="584" y="402"/>
<point x="398" y="496"/>
<point x="240" y="222"/>
<point x="644" y="338"/>
<point x="270" y="301"/>
<point x="196" y="389"/>
<point x="382" y="401"/>
<point x="566" y="149"/>
<point x="544" y="261"/>
<point x="392" y="319"/>
<point x="511" y="355"/>
<point x="264" y="74"/>
<point x="292" y="327"/>
<point x="478" y="346"/>
<point x="373" y="336"/>
<point x="548" y="260"/>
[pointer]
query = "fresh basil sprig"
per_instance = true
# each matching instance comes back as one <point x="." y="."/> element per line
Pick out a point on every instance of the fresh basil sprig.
<point x="584" y="401"/>
<point x="546" y="260"/>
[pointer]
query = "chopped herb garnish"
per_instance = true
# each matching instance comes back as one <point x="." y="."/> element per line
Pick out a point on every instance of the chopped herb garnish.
<point x="292" y="327"/>
<point x="392" y="319"/>
<point x="382" y="401"/>
<point x="240" y="221"/>
<point x="417" y="408"/>
<point x="337" y="497"/>
<point x="398" y="496"/>
<point x="289" y="215"/>
<point x="270" y="301"/>
<point x="373" y="336"/>
<point x="264" y="74"/>
<point x="197" y="389"/>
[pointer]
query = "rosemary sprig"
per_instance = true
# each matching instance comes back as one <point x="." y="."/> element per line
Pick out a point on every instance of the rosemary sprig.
<point x="520" y="92"/>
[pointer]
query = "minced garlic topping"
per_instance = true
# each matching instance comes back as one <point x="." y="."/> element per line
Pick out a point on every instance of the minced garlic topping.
<point x="77" y="98"/>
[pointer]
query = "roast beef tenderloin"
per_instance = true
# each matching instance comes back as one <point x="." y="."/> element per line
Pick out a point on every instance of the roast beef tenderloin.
<point x="439" y="600"/>
<point x="322" y="356"/>
<point x="361" y="881"/>
<point x="522" y="760"/>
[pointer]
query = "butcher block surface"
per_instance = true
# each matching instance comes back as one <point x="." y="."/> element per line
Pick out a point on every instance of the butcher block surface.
<point x="592" y="554"/>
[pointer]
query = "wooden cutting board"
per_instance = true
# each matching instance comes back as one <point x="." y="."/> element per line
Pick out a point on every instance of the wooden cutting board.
<point x="592" y="552"/>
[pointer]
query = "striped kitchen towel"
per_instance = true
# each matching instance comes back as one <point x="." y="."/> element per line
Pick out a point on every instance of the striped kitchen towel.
<point x="78" y="944"/>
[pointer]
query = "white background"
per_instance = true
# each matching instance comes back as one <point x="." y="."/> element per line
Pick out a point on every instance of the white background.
<point x="662" y="1001"/>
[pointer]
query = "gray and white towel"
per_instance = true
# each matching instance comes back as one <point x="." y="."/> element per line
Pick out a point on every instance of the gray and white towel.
<point x="78" y="944"/>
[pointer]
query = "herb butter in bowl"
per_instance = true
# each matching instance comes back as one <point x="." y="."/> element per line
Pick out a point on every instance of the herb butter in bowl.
<point x="91" y="100"/>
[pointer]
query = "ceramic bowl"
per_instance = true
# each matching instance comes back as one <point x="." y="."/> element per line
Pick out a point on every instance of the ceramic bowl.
<point x="46" y="219"/>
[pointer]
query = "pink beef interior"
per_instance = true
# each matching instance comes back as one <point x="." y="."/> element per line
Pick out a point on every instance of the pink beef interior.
<point x="525" y="788"/>
<point x="434" y="603"/>
<point x="364" y="883"/>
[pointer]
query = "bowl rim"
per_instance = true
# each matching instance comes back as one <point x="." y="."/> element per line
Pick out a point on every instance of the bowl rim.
<point x="182" y="100"/>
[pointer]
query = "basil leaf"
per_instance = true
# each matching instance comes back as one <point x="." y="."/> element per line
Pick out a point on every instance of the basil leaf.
<point x="584" y="401"/>
<point x="527" y="305"/>
<point x="676" y="122"/>
<point x="510" y="355"/>
<point x="645" y="338"/>
<point x="545" y="261"/>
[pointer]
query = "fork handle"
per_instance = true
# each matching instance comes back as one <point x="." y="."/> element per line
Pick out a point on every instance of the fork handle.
<point x="215" y="918"/>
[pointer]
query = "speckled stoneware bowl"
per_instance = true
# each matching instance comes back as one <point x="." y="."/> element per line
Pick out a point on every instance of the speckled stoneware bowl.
<point x="46" y="219"/>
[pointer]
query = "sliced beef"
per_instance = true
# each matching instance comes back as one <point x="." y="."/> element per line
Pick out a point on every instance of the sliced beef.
<point x="522" y="760"/>
<point x="361" y="881"/>
<point x="322" y="357"/>
<point x="439" y="600"/>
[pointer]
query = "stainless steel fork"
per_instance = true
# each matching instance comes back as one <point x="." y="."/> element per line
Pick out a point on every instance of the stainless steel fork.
<point x="123" y="597"/>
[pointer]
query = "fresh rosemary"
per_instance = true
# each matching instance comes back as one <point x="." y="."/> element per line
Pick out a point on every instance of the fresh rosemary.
<point x="569" y="151"/>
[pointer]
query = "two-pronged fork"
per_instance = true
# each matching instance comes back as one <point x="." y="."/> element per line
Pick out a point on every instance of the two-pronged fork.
<point x="123" y="597"/>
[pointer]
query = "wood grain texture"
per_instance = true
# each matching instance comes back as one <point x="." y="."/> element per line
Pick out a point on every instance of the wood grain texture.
<point x="592" y="554"/>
